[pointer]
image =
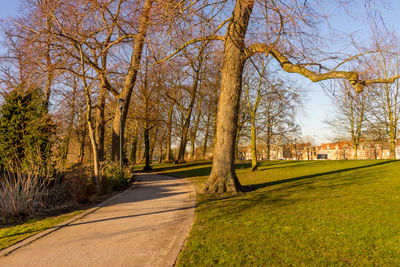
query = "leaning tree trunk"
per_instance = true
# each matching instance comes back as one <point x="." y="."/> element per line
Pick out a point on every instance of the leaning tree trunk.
<point x="223" y="177"/>
<point x="130" y="79"/>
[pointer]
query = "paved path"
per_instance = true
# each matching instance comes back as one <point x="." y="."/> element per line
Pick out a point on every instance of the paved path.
<point x="145" y="226"/>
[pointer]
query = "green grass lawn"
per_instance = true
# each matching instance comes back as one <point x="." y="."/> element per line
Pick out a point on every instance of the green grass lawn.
<point x="13" y="234"/>
<point x="303" y="213"/>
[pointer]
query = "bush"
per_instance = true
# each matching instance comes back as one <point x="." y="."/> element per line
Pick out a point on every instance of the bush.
<point x="111" y="177"/>
<point x="73" y="186"/>
<point x="26" y="192"/>
<point x="23" y="192"/>
<point x="25" y="129"/>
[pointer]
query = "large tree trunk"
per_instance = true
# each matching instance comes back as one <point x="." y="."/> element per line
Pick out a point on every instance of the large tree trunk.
<point x="223" y="177"/>
<point x="130" y="78"/>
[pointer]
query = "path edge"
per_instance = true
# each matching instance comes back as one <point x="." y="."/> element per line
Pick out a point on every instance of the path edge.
<point x="52" y="229"/>
<point x="180" y="241"/>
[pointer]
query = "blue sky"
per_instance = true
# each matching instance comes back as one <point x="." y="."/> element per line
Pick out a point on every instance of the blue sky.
<point x="8" y="8"/>
<point x="317" y="107"/>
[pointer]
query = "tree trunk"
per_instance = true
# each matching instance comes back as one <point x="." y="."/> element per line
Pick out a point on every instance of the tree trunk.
<point x="169" y="131"/>
<point x="195" y="128"/>
<point x="392" y="148"/>
<point x="146" y="147"/>
<point x="100" y="122"/>
<point x="134" y="142"/>
<point x="91" y="133"/>
<point x="186" y="123"/>
<point x="153" y="142"/>
<point x="253" y="144"/>
<point x="268" y="149"/>
<point x="237" y="137"/>
<point x="49" y="66"/>
<point x="214" y="128"/>
<point x="392" y="138"/>
<point x="82" y="144"/>
<point x="269" y="136"/>
<point x="207" y="133"/>
<point x="355" y="151"/>
<point x="66" y="141"/>
<point x="130" y="78"/>
<point x="223" y="177"/>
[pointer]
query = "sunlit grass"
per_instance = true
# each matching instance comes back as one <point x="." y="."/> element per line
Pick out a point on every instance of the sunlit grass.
<point x="299" y="213"/>
<point x="13" y="234"/>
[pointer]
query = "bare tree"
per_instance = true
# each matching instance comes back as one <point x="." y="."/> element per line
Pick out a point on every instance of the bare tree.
<point x="350" y="113"/>
<point x="254" y="88"/>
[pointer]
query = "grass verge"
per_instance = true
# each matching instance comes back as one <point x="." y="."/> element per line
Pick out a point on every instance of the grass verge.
<point x="13" y="234"/>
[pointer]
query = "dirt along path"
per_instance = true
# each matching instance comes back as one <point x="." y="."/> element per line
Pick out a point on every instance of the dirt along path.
<point x="145" y="226"/>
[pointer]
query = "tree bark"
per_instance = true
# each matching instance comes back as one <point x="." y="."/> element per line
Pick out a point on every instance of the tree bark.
<point x="223" y="177"/>
<point x="130" y="78"/>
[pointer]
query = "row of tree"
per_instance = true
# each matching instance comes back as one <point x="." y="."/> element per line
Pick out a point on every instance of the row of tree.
<point x="374" y="114"/>
<point x="186" y="70"/>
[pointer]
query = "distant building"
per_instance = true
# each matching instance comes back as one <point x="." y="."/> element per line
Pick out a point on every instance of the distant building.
<point x="341" y="150"/>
